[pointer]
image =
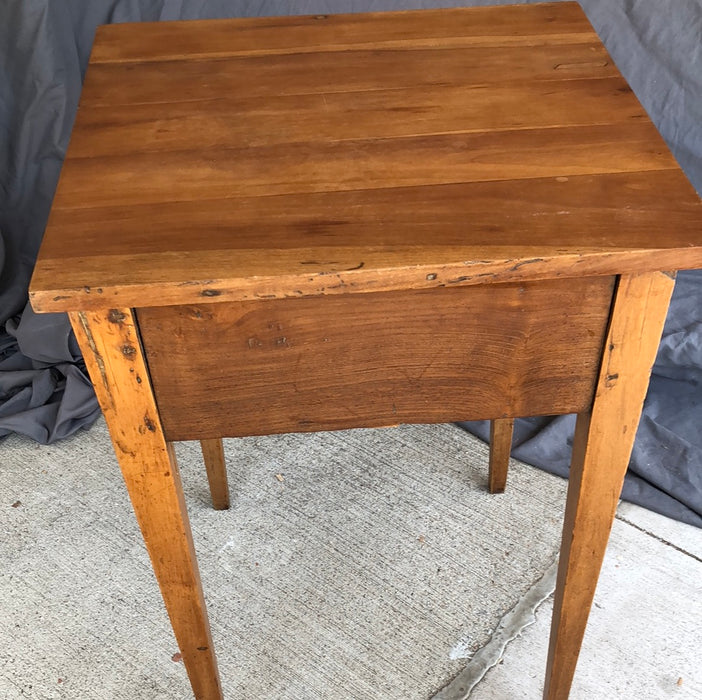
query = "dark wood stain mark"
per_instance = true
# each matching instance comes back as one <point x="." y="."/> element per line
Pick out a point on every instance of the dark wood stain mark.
<point x="124" y="449"/>
<point x="526" y="262"/>
<point x="116" y="316"/>
<point x="150" y="425"/>
<point x="611" y="379"/>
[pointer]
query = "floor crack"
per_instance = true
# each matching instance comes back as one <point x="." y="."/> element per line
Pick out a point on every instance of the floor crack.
<point x="660" y="539"/>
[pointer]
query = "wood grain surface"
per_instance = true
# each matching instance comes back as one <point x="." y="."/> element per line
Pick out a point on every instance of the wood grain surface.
<point x="216" y="467"/>
<point x="482" y="175"/>
<point x="226" y="160"/>
<point x="110" y="344"/>
<point x="501" y="430"/>
<point x="513" y="25"/>
<point x="419" y="356"/>
<point x="604" y="437"/>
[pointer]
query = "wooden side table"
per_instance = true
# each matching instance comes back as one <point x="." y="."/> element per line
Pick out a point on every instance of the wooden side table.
<point x="315" y="223"/>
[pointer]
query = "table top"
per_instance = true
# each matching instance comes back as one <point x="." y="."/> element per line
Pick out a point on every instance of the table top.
<point x="288" y="156"/>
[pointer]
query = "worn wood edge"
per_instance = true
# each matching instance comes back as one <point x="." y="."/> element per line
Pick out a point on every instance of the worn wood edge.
<point x="358" y="21"/>
<point x="208" y="433"/>
<point x="362" y="276"/>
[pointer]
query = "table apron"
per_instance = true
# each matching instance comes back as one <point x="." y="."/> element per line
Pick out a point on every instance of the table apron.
<point x="376" y="359"/>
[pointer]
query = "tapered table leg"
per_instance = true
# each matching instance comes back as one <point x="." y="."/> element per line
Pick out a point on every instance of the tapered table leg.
<point x="500" y="447"/>
<point x="602" y="447"/>
<point x="112" y="351"/>
<point x="213" y="455"/>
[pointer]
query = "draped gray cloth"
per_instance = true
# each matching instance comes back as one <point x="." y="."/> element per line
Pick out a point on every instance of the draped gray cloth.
<point x="44" y="47"/>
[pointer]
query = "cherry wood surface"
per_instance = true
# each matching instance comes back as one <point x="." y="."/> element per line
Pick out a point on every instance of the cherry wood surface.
<point x="484" y="176"/>
<point x="213" y="456"/>
<point x="361" y="153"/>
<point x="604" y="437"/>
<point x="377" y="359"/>
<point x="510" y="26"/>
<point x="109" y="341"/>
<point x="501" y="430"/>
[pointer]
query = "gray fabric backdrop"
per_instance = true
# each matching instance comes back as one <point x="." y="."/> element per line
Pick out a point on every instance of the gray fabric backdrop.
<point x="44" y="47"/>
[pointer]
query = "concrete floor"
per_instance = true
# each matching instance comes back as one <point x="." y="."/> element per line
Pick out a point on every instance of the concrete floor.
<point x="81" y="612"/>
<point x="644" y="637"/>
